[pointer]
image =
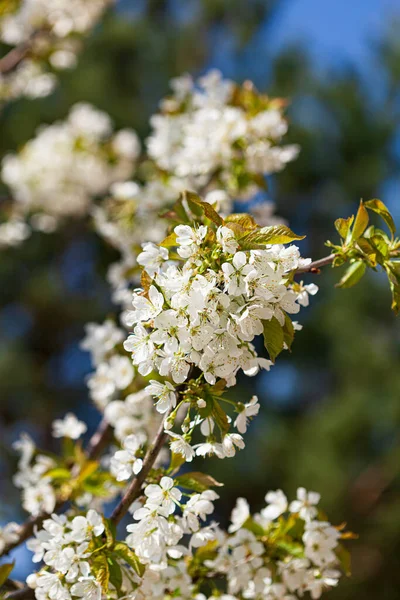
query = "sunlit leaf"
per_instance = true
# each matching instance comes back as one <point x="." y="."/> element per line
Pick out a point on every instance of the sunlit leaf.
<point x="197" y="481"/>
<point x="379" y="207"/>
<point x="353" y="274"/>
<point x="273" y="338"/>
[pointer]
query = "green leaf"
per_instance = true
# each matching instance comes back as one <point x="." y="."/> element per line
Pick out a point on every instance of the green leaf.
<point x="368" y="249"/>
<point x="115" y="574"/>
<point x="379" y="207"/>
<point x="360" y="223"/>
<point x="343" y="226"/>
<point x="176" y="461"/>
<point x="199" y="207"/>
<point x="381" y="244"/>
<point x="219" y="416"/>
<point x="276" y="234"/>
<point x="110" y="532"/>
<point x="292" y="548"/>
<point x="169" y="241"/>
<point x="253" y="526"/>
<point x="219" y="388"/>
<point x="101" y="571"/>
<point x="344" y="557"/>
<point x="393" y="271"/>
<point x="353" y="274"/>
<point x="59" y="473"/>
<point x="288" y="332"/>
<point x="89" y="468"/>
<point x="128" y="555"/>
<point x="273" y="337"/>
<point x="243" y="219"/>
<point x="196" y="481"/>
<point x="5" y="571"/>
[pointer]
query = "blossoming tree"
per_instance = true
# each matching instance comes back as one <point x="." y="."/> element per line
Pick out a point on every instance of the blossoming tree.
<point x="198" y="282"/>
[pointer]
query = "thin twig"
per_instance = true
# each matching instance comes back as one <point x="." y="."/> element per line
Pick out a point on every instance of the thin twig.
<point x="314" y="267"/>
<point x="95" y="447"/>
<point x="99" y="440"/>
<point x="134" y="490"/>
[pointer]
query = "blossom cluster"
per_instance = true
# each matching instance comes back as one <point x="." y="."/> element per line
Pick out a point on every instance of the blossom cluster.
<point x="214" y="128"/>
<point x="195" y="323"/>
<point x="52" y="31"/>
<point x="281" y="553"/>
<point x="57" y="173"/>
<point x="208" y="312"/>
<point x="65" y="546"/>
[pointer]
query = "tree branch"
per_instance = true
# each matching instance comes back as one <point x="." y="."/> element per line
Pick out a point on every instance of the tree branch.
<point x="24" y="593"/>
<point x="16" y="55"/>
<point x="315" y="266"/>
<point x="95" y="447"/>
<point x="135" y="488"/>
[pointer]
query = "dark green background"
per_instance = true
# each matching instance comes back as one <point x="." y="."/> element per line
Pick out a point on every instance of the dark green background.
<point x="330" y="410"/>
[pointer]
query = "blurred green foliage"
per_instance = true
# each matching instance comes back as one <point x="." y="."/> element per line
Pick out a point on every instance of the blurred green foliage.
<point x="331" y="412"/>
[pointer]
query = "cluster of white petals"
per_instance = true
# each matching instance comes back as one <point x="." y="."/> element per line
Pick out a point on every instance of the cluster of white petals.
<point x="203" y="129"/>
<point x="32" y="477"/>
<point x="51" y="29"/>
<point x="67" y="164"/>
<point x="208" y="312"/>
<point x="64" y="546"/>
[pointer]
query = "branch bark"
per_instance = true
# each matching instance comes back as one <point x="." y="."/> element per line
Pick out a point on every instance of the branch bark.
<point x="24" y="593"/>
<point x="135" y="488"/>
<point x="95" y="447"/>
<point x="315" y="266"/>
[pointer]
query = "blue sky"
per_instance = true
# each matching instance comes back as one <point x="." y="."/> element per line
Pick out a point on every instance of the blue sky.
<point x="333" y="29"/>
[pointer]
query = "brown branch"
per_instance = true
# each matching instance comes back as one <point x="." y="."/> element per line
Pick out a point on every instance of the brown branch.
<point x="99" y="440"/>
<point x="95" y="447"/>
<point x="14" y="57"/>
<point x="315" y="266"/>
<point x="24" y="593"/>
<point x="135" y="488"/>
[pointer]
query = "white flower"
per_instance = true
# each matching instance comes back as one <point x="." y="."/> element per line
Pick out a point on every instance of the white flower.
<point x="69" y="427"/>
<point x="306" y="290"/>
<point x="230" y="442"/>
<point x="320" y="540"/>
<point x="209" y="448"/>
<point x="317" y="581"/>
<point x="277" y="505"/>
<point x="87" y="588"/>
<point x="235" y="274"/>
<point x="140" y="344"/>
<point x="239" y="515"/>
<point x="152" y="257"/>
<point x="250" y="410"/>
<point x="49" y="585"/>
<point x="124" y="463"/>
<point x="165" y="392"/>
<point x="9" y="534"/>
<point x="164" y="495"/>
<point x="305" y="504"/>
<point x="82" y="528"/>
<point x="146" y="308"/>
<point x="39" y="497"/>
<point x="121" y="371"/>
<point x="180" y="446"/>
<point x="226" y="238"/>
<point x="188" y="239"/>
